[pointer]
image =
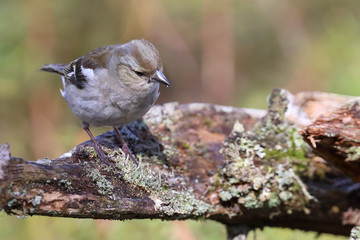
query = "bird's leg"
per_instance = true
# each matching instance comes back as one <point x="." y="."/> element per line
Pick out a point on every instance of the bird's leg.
<point x="98" y="149"/>
<point x="125" y="148"/>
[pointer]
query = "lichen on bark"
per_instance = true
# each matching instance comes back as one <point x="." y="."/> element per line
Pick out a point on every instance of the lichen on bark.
<point x="262" y="164"/>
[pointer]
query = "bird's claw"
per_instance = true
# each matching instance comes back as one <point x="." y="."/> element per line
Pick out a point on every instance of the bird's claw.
<point x="127" y="151"/>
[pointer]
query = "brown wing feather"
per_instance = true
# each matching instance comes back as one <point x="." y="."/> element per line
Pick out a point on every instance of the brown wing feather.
<point x="98" y="57"/>
<point x="72" y="72"/>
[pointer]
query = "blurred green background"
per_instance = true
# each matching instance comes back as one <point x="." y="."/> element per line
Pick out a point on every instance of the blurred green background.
<point x="222" y="51"/>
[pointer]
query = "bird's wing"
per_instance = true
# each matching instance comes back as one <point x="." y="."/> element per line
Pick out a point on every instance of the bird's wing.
<point x="93" y="60"/>
<point x="73" y="73"/>
<point x="98" y="57"/>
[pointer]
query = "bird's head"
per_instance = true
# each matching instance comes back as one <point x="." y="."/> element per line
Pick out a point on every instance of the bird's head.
<point x="140" y="61"/>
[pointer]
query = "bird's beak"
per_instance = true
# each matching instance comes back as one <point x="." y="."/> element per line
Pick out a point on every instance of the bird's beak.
<point x="160" y="77"/>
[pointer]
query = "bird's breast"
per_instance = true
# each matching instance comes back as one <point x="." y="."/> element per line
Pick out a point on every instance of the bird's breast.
<point x="111" y="104"/>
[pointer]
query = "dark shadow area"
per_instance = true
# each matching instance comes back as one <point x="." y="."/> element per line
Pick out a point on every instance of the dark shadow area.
<point x="138" y="138"/>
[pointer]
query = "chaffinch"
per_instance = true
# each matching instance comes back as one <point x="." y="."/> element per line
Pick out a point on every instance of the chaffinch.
<point x="112" y="86"/>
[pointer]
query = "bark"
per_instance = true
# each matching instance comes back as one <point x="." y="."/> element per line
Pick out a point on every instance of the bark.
<point x="335" y="136"/>
<point x="245" y="168"/>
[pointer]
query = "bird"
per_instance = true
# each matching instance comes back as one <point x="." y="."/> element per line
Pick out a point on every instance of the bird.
<point x="111" y="86"/>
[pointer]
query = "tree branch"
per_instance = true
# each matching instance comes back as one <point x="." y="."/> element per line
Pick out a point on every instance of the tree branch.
<point x="241" y="167"/>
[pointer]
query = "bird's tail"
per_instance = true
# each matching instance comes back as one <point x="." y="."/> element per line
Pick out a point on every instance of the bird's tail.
<point x="55" y="68"/>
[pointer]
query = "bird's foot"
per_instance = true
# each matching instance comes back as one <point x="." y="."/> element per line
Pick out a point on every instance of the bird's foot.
<point x="127" y="151"/>
<point x="125" y="148"/>
<point x="102" y="155"/>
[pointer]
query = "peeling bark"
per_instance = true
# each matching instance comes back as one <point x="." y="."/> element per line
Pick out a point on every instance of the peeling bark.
<point x="241" y="167"/>
<point x="335" y="136"/>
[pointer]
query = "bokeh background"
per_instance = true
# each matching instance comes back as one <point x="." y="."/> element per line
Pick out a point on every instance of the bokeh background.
<point x="222" y="51"/>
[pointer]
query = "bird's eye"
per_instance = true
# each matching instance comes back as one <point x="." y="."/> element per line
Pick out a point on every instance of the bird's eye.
<point x="140" y="74"/>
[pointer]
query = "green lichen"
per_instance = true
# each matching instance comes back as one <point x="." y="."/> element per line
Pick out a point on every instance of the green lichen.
<point x="268" y="157"/>
<point x="353" y="153"/>
<point x="36" y="201"/>
<point x="156" y="183"/>
<point x="286" y="195"/>
<point x="153" y="181"/>
<point x="104" y="186"/>
<point x="165" y="138"/>
<point x="225" y="195"/>
<point x="274" y="201"/>
<point x="252" y="202"/>
<point x="11" y="202"/>
<point x="66" y="183"/>
<point x="90" y="151"/>
<point x="16" y="194"/>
